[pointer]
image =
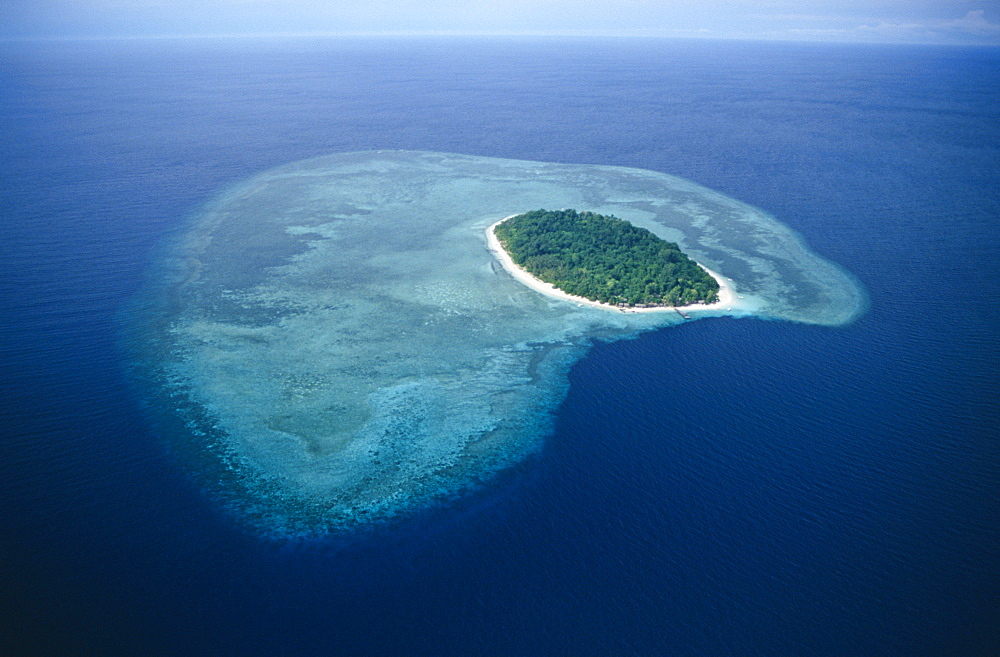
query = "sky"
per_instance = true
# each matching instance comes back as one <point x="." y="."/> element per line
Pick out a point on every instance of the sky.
<point x="888" y="21"/>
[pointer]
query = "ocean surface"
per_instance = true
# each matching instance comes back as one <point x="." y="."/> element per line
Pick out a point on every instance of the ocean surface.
<point x="723" y="487"/>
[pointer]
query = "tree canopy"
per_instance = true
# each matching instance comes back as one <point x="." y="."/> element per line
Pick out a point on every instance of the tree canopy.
<point x="604" y="258"/>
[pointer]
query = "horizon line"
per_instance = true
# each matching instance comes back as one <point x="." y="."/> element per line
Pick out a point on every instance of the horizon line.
<point x="701" y="35"/>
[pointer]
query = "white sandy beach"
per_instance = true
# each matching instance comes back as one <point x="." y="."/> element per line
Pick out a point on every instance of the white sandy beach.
<point x="727" y="298"/>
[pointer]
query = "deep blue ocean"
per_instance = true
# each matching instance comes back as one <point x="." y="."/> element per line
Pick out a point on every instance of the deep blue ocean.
<point x="726" y="487"/>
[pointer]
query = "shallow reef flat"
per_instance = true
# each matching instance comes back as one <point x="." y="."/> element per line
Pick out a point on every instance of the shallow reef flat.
<point x="337" y="344"/>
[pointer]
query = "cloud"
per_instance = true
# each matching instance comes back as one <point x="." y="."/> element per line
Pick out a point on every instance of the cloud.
<point x="901" y="21"/>
<point x="973" y="25"/>
<point x="975" y="22"/>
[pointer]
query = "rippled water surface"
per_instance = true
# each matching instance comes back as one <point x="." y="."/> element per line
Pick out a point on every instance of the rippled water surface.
<point x="180" y="256"/>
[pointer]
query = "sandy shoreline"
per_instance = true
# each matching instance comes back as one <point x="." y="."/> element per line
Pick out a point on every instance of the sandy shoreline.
<point x="726" y="296"/>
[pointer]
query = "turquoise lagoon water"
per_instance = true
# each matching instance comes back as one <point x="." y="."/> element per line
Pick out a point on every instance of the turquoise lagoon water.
<point x="338" y="335"/>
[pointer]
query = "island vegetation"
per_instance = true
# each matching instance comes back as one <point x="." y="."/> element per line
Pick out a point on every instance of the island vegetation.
<point x="604" y="258"/>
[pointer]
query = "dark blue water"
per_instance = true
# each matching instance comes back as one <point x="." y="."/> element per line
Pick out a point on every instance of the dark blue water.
<point x="727" y="487"/>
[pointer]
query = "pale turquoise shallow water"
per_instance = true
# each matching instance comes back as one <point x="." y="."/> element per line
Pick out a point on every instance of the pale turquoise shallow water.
<point x="338" y="335"/>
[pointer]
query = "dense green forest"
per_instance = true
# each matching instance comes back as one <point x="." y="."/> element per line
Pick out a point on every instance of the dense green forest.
<point x="604" y="258"/>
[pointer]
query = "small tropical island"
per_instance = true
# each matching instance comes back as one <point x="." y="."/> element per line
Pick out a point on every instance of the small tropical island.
<point x="604" y="259"/>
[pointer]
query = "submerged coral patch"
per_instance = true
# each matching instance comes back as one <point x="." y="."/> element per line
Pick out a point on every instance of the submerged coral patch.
<point x="340" y="341"/>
